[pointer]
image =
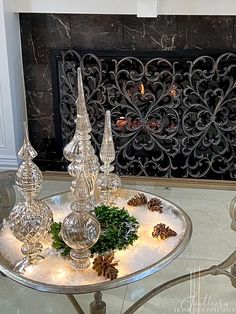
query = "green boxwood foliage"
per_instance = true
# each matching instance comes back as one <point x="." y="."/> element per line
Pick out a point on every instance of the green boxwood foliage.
<point x="119" y="230"/>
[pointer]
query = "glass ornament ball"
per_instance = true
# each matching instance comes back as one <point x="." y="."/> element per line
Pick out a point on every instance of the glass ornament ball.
<point x="80" y="231"/>
<point x="30" y="222"/>
<point x="108" y="182"/>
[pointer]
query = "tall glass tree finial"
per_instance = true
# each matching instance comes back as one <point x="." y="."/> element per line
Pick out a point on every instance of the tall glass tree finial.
<point x="107" y="181"/>
<point x="80" y="147"/>
<point x="29" y="220"/>
<point x="80" y="229"/>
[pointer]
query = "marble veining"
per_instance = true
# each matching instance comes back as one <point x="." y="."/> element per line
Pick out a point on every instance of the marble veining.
<point x="148" y="34"/>
<point x="64" y="25"/>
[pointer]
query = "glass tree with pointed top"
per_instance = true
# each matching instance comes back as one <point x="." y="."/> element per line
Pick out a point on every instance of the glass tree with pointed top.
<point x="106" y="180"/>
<point x="80" y="230"/>
<point x="29" y="220"/>
<point x="80" y="147"/>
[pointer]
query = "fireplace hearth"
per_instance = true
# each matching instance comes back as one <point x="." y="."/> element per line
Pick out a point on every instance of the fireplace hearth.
<point x="173" y="110"/>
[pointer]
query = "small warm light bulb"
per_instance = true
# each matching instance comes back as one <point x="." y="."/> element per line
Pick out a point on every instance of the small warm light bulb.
<point x="122" y="122"/>
<point x="141" y="88"/>
<point x="173" y="91"/>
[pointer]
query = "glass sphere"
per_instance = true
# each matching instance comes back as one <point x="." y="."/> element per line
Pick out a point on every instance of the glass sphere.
<point x="30" y="222"/>
<point x="80" y="231"/>
<point x="106" y="183"/>
<point x="109" y="181"/>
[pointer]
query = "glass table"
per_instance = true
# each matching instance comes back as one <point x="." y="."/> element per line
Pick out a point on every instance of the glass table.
<point x="185" y="197"/>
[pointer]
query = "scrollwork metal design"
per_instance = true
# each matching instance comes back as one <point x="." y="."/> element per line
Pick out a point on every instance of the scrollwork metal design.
<point x="94" y="90"/>
<point x="170" y="119"/>
<point x="147" y="144"/>
<point x="209" y="117"/>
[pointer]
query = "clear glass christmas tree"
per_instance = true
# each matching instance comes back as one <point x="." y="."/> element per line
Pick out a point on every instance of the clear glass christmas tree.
<point x="80" y="147"/>
<point x="29" y="220"/>
<point x="106" y="180"/>
<point x="80" y="229"/>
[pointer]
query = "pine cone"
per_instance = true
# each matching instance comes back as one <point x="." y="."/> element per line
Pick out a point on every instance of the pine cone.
<point x="104" y="265"/>
<point x="138" y="200"/>
<point x="155" y="204"/>
<point x="111" y="273"/>
<point x="160" y="230"/>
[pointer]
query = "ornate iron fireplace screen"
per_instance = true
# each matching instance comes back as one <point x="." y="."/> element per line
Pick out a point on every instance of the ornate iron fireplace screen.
<point x="171" y="118"/>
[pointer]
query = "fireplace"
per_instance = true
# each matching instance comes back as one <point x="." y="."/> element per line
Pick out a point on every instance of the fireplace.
<point x="173" y="109"/>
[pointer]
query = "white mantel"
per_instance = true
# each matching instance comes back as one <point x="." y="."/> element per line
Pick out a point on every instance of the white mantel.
<point x="145" y="8"/>
<point x="12" y="97"/>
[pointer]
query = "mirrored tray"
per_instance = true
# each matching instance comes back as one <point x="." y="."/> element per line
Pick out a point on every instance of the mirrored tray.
<point x="147" y="256"/>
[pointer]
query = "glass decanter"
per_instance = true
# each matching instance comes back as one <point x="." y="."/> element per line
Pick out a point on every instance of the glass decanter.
<point x="80" y="229"/>
<point x="80" y="147"/>
<point x="30" y="220"/>
<point x="107" y="181"/>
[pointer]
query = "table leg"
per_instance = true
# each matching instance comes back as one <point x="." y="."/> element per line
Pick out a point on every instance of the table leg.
<point x="98" y="306"/>
<point x="233" y="271"/>
<point x="75" y="303"/>
<point x="215" y="270"/>
<point x="232" y="211"/>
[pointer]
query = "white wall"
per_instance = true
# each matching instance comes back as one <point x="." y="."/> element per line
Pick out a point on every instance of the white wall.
<point x="12" y="100"/>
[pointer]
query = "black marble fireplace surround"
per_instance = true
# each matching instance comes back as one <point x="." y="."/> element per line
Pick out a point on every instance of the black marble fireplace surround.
<point x="178" y="118"/>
